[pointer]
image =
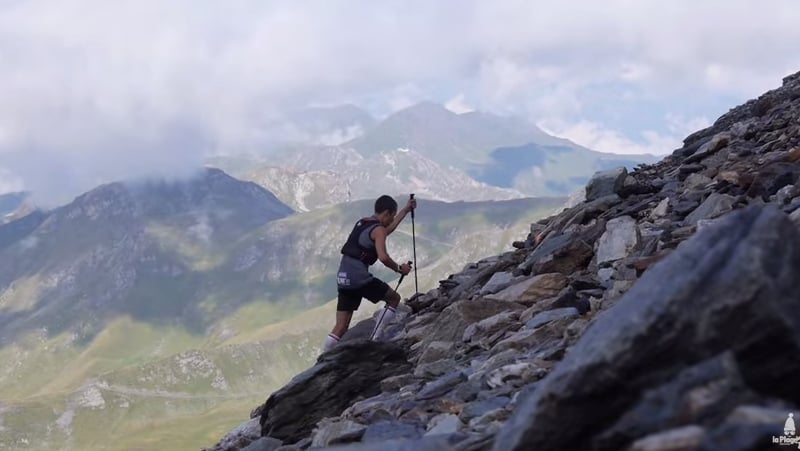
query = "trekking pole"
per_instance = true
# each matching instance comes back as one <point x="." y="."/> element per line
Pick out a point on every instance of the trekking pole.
<point x="414" y="244"/>
<point x="401" y="280"/>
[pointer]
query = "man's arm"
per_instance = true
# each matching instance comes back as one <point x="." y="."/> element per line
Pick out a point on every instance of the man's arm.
<point x="379" y="235"/>
<point x="398" y="218"/>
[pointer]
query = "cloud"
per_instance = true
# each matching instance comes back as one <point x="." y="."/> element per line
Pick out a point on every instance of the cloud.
<point x="458" y="104"/>
<point x="9" y="183"/>
<point x="597" y="137"/>
<point x="339" y="135"/>
<point x="95" y="90"/>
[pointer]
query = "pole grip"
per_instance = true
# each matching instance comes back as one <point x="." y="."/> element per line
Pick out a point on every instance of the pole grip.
<point x="402" y="276"/>
<point x="412" y="211"/>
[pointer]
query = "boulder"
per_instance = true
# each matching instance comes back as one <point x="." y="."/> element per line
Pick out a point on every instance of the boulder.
<point x="715" y="205"/>
<point x="564" y="253"/>
<point x="497" y="282"/>
<point x="347" y="372"/>
<point x="605" y="183"/>
<point x="531" y="290"/>
<point x="620" y="238"/>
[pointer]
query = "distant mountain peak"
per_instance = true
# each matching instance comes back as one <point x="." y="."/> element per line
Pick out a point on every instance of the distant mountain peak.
<point x="425" y="109"/>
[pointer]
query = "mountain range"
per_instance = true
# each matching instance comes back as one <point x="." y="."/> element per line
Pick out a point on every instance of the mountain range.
<point x="430" y="150"/>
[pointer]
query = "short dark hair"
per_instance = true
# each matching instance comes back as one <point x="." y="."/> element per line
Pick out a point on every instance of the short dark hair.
<point x="385" y="203"/>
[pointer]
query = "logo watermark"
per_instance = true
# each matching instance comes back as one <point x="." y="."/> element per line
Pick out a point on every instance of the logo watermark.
<point x="789" y="436"/>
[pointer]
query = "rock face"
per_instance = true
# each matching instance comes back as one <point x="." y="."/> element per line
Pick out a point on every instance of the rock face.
<point x="661" y="313"/>
<point x="341" y="376"/>
<point x="605" y="183"/>
<point x="742" y="285"/>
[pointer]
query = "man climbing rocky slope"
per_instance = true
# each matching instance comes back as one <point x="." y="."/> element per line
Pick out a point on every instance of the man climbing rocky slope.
<point x="662" y="313"/>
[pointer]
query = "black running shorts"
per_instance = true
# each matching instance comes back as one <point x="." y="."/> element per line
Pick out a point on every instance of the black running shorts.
<point x="349" y="299"/>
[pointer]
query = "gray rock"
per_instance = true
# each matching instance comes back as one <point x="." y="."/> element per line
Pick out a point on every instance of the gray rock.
<point x="500" y="322"/>
<point x="442" y="385"/>
<point x="468" y="391"/>
<point x="530" y="290"/>
<point x="478" y="278"/>
<point x="478" y="408"/>
<point x="605" y="274"/>
<point x="497" y="282"/>
<point x="537" y="339"/>
<point x="333" y="431"/>
<point x="785" y="194"/>
<point x="715" y="205"/>
<point x="569" y="298"/>
<point x="434" y="369"/>
<point x="440" y="442"/>
<point x="700" y="394"/>
<point x="757" y="414"/>
<point x="684" y="206"/>
<point x="714" y="145"/>
<point x="741" y="129"/>
<point x="516" y="375"/>
<point x="743" y="285"/>
<point x="264" y="444"/>
<point x="391" y="430"/>
<point x="747" y="428"/>
<point x="491" y="416"/>
<point x="347" y="371"/>
<point x="564" y="253"/>
<point x="551" y="315"/>
<point x="395" y="383"/>
<point x="696" y="181"/>
<point x="661" y="209"/>
<point x="620" y="238"/>
<point x="684" y="438"/>
<point x="436" y="350"/>
<point x="421" y="301"/>
<point x="497" y="360"/>
<point x="704" y="223"/>
<point x="772" y="177"/>
<point x="605" y="183"/>
<point x="690" y="168"/>
<point x="239" y="437"/>
<point x="445" y="423"/>
<point x="795" y="217"/>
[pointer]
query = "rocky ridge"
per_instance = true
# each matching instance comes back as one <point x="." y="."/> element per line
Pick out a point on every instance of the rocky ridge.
<point x="661" y="313"/>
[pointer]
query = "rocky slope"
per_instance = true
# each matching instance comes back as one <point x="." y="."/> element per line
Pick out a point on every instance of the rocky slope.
<point x="662" y="313"/>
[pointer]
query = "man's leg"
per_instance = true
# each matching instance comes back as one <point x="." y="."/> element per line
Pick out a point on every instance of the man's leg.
<point x="342" y="324"/>
<point x="348" y="303"/>
<point x="392" y="299"/>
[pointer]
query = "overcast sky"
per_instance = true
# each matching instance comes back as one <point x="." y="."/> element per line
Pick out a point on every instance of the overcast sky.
<point x="96" y="90"/>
